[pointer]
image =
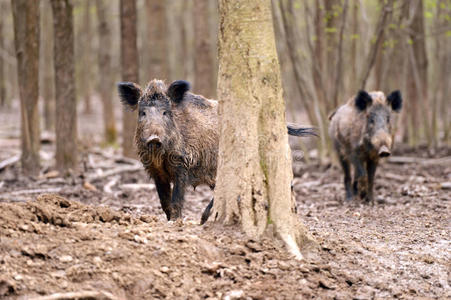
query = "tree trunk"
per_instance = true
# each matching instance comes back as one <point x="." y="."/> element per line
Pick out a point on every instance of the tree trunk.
<point x="2" y="65"/>
<point x="26" y="38"/>
<point x="86" y="74"/>
<point x="66" y="106"/>
<point x="254" y="170"/>
<point x="203" y="56"/>
<point x="46" y="67"/>
<point x="332" y="12"/>
<point x="130" y="70"/>
<point x="106" y="81"/>
<point x="156" y="56"/>
<point x="354" y="38"/>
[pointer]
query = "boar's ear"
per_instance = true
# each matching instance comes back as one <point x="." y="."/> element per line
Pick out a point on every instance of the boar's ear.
<point x="363" y="100"/>
<point x="177" y="90"/>
<point x="395" y="101"/>
<point x="129" y="93"/>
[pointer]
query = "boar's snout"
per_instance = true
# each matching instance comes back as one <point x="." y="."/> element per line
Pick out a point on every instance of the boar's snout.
<point x="153" y="141"/>
<point x="384" y="151"/>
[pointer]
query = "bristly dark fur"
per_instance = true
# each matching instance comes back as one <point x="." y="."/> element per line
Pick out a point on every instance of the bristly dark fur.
<point x="129" y="94"/>
<point x="363" y="100"/>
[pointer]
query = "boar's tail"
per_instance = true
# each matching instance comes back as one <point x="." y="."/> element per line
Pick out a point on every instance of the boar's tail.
<point x="301" y="131"/>
<point x="207" y="212"/>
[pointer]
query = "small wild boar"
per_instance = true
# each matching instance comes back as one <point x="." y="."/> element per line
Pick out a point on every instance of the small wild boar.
<point x="362" y="134"/>
<point x="177" y="138"/>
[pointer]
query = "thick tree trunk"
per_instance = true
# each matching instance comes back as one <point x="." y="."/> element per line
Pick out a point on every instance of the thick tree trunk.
<point x="46" y="66"/>
<point x="66" y="106"/>
<point x="203" y="60"/>
<point x="254" y="171"/>
<point x="26" y="38"/>
<point x="156" y="56"/>
<point x="130" y="70"/>
<point x="106" y="82"/>
<point x="354" y="38"/>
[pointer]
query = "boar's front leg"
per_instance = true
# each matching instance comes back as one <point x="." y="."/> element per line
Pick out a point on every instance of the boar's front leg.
<point x="360" y="177"/>
<point x="371" y="166"/>
<point x="347" y="180"/>
<point x="178" y="193"/>
<point x="164" y="192"/>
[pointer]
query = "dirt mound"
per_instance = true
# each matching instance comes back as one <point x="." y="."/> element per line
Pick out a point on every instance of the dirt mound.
<point x="54" y="245"/>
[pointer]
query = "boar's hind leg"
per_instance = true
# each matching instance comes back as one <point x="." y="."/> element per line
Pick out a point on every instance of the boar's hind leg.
<point x="371" y="166"/>
<point x="164" y="192"/>
<point x="360" y="177"/>
<point x="346" y="169"/>
<point x="178" y="194"/>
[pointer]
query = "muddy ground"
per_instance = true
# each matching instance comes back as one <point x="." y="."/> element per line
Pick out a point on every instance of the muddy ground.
<point x="101" y="233"/>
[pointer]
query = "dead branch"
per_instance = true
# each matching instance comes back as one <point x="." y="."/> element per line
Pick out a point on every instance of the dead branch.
<point x="137" y="186"/>
<point x="78" y="295"/>
<point x="9" y="161"/>
<point x="35" y="191"/>
<point x="108" y="187"/>
<point x="419" y="160"/>
<point x="116" y="171"/>
<point x="445" y="185"/>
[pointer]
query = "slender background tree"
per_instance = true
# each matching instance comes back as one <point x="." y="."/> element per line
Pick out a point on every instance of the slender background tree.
<point x="26" y="38"/>
<point x="66" y="106"/>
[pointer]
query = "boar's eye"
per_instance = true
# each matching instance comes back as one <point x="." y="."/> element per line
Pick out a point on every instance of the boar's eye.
<point x="388" y="119"/>
<point x="371" y="120"/>
<point x="166" y="113"/>
<point x="142" y="113"/>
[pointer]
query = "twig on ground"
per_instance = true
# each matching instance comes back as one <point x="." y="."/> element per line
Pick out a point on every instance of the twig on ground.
<point x="116" y="171"/>
<point x="137" y="186"/>
<point x="9" y="161"/>
<point x="78" y="295"/>
<point x="108" y="187"/>
<point x="419" y="160"/>
<point x="35" y="191"/>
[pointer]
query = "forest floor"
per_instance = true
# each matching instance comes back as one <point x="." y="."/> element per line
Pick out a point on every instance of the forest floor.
<point x="101" y="234"/>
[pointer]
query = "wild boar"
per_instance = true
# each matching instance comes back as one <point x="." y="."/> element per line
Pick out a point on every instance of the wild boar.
<point x="177" y="138"/>
<point x="362" y="134"/>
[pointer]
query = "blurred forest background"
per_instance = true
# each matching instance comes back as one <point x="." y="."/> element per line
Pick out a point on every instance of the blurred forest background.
<point x="328" y="49"/>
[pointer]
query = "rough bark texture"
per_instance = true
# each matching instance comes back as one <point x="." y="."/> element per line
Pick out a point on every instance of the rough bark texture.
<point x="254" y="169"/>
<point x="417" y="82"/>
<point x="203" y="61"/>
<point x="129" y="63"/>
<point x="2" y="46"/>
<point x="156" y="58"/>
<point x="66" y="106"/>
<point x="86" y="49"/>
<point x="26" y="33"/>
<point x="46" y="67"/>
<point x="106" y="83"/>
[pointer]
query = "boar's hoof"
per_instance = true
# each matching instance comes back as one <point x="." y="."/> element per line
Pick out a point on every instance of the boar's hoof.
<point x="384" y="151"/>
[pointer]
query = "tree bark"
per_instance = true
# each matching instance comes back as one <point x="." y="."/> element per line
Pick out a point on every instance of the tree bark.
<point x="46" y="67"/>
<point x="2" y="65"/>
<point x="66" y="106"/>
<point x="156" y="57"/>
<point x="254" y="170"/>
<point x="86" y="75"/>
<point x="26" y="38"/>
<point x="106" y="83"/>
<point x="203" y="59"/>
<point x="130" y="70"/>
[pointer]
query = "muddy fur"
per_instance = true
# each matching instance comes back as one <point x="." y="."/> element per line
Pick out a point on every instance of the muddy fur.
<point x="185" y="148"/>
<point x="362" y="133"/>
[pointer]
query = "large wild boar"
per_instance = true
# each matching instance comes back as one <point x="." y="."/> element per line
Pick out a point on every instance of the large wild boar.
<point x="362" y="133"/>
<point x="177" y="138"/>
